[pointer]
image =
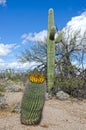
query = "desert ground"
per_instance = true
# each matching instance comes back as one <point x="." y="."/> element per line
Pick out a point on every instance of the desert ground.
<point x="57" y="115"/>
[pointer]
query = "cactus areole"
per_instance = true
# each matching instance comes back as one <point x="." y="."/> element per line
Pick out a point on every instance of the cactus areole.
<point x="50" y="51"/>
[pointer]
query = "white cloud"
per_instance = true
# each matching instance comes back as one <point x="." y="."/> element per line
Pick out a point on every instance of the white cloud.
<point x="6" y="49"/>
<point x="2" y="2"/>
<point x="16" y="65"/>
<point x="1" y="60"/>
<point x="20" y="66"/>
<point x="2" y="64"/>
<point x="76" y="25"/>
<point x="34" y="37"/>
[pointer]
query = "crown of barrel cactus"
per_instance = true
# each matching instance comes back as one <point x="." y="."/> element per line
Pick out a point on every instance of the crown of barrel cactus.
<point x="33" y="100"/>
<point x="36" y="77"/>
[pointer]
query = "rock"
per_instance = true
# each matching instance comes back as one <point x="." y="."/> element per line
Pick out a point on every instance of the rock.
<point x="62" y="95"/>
<point x="17" y="108"/>
<point x="44" y="124"/>
<point x="3" y="104"/>
<point x="46" y="96"/>
<point x="13" y="88"/>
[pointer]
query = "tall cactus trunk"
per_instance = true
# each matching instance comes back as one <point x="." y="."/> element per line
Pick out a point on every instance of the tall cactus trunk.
<point x="50" y="51"/>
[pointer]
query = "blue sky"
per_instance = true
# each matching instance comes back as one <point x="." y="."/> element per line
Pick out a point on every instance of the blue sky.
<point x="21" y="17"/>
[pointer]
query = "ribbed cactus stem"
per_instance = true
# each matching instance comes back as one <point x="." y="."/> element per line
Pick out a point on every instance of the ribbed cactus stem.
<point x="33" y="100"/>
<point x="59" y="37"/>
<point x="50" y="50"/>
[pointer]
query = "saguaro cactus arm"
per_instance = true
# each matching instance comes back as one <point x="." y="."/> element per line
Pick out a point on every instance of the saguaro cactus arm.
<point x="59" y="37"/>
<point x="52" y="33"/>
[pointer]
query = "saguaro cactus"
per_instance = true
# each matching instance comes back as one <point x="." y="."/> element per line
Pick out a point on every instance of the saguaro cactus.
<point x="50" y="50"/>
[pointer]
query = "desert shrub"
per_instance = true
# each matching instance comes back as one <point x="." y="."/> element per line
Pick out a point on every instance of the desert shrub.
<point x="2" y="89"/>
<point x="68" y="84"/>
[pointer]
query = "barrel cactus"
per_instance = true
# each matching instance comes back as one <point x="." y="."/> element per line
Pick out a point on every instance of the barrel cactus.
<point x="33" y="99"/>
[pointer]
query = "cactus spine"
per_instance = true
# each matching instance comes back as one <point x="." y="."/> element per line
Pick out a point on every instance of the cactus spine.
<point x="50" y="50"/>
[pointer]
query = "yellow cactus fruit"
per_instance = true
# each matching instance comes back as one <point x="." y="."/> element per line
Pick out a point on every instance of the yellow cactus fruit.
<point x="36" y="77"/>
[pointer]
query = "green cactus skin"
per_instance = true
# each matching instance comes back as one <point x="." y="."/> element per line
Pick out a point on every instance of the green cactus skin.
<point x="50" y="50"/>
<point x="51" y="41"/>
<point x="32" y="103"/>
<point x="59" y="37"/>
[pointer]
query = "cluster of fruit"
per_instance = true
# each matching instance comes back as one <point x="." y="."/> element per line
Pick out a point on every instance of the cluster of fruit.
<point x="36" y="78"/>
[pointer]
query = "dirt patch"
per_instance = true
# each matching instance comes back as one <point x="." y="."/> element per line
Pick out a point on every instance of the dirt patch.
<point x="57" y="115"/>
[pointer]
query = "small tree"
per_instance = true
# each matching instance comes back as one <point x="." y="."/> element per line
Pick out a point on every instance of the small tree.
<point x="36" y="53"/>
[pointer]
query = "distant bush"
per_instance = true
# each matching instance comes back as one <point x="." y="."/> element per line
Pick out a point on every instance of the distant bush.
<point x="69" y="84"/>
<point x="2" y="89"/>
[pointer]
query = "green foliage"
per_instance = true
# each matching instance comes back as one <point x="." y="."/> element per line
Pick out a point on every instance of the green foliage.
<point x="2" y="89"/>
<point x="68" y="84"/>
<point x="32" y="103"/>
<point x="15" y="78"/>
